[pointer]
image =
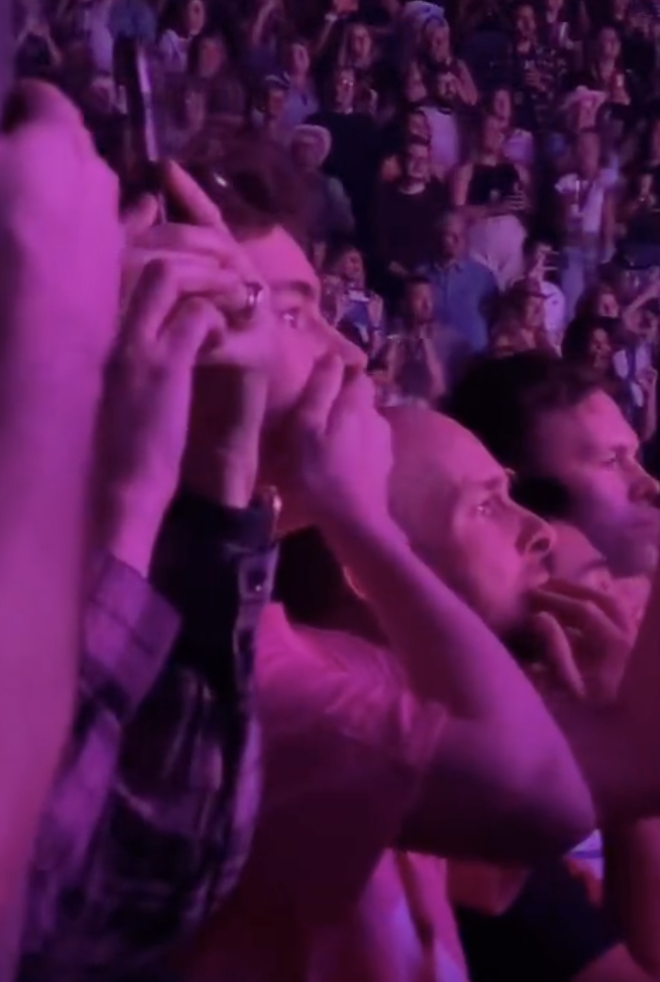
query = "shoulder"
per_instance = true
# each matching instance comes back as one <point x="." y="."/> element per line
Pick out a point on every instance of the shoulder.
<point x="479" y="272"/>
<point x="335" y="685"/>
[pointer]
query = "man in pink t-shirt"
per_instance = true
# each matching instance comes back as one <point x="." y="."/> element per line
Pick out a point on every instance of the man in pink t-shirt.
<point x="357" y="762"/>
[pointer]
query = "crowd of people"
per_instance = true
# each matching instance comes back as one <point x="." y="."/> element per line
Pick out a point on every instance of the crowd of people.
<point x="330" y="532"/>
<point x="478" y="177"/>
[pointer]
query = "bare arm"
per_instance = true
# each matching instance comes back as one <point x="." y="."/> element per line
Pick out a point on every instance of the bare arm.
<point x="257" y="32"/>
<point x="499" y="739"/>
<point x="58" y="311"/>
<point x="467" y="90"/>
<point x="436" y="371"/>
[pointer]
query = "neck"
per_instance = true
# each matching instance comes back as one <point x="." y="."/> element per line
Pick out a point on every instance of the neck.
<point x="524" y="47"/>
<point x="487" y="157"/>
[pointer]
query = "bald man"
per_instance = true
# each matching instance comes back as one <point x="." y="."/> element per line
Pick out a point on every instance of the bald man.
<point x="323" y="896"/>
<point x="356" y="759"/>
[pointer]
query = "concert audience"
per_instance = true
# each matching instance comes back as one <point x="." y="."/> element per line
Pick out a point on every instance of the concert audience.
<point x="230" y="759"/>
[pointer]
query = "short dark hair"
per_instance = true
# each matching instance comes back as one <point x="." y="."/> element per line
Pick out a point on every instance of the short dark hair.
<point x="416" y="279"/>
<point x="578" y="334"/>
<point x="257" y="187"/>
<point x="501" y="401"/>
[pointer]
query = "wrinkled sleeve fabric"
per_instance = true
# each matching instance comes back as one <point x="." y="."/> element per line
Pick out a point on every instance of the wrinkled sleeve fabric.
<point x="128" y="632"/>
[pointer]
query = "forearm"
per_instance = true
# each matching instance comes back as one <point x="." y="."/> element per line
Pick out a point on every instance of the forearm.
<point x="448" y="651"/>
<point x="45" y="448"/>
<point x="632" y="888"/>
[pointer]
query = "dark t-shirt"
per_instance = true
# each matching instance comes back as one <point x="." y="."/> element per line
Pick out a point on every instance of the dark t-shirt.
<point x="353" y="158"/>
<point x="406" y="224"/>
<point x="550" y="934"/>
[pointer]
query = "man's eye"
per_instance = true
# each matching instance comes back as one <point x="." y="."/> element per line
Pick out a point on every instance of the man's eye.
<point x="485" y="508"/>
<point x="612" y="462"/>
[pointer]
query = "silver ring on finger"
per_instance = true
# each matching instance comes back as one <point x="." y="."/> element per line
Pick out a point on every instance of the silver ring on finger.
<point x="254" y="293"/>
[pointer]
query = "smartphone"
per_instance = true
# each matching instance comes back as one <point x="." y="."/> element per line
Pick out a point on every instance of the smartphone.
<point x="6" y="50"/>
<point x="135" y="92"/>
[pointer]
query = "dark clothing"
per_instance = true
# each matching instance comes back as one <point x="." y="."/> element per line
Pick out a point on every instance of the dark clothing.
<point x="550" y="934"/>
<point x="492" y="184"/>
<point x="406" y="224"/>
<point x="354" y="159"/>
<point x="534" y="108"/>
<point x="150" y="820"/>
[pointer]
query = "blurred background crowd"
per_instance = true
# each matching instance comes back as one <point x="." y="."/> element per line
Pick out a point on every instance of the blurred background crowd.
<point x="334" y="488"/>
<point x="479" y="177"/>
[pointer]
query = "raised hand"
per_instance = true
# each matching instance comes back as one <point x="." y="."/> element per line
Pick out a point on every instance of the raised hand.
<point x="61" y="238"/>
<point x="231" y="385"/>
<point x="337" y="454"/>
<point x="144" y="423"/>
<point x="585" y="637"/>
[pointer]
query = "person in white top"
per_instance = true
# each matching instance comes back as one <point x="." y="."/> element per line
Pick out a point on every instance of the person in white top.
<point x="587" y="208"/>
<point x="536" y="258"/>
<point x="175" y="42"/>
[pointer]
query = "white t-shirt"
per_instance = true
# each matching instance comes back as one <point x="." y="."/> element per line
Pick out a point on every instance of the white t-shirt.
<point x="554" y="306"/>
<point x="445" y="138"/>
<point x="587" y="199"/>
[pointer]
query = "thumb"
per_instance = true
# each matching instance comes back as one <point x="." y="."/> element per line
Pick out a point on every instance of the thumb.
<point x="320" y="395"/>
<point x="37" y="102"/>
<point x="557" y="653"/>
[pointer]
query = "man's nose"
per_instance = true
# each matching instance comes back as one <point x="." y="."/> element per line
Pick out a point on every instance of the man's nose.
<point x="645" y="488"/>
<point x="537" y="536"/>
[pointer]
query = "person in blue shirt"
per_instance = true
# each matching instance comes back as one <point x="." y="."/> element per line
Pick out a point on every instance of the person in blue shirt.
<point x="464" y="290"/>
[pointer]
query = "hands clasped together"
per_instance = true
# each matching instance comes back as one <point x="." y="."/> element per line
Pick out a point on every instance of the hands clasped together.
<point x="140" y="306"/>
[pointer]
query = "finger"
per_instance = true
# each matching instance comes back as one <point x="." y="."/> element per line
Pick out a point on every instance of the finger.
<point x="607" y="602"/>
<point x="320" y="395"/>
<point x="160" y="288"/>
<point x="32" y="102"/>
<point x="583" y="615"/>
<point x="189" y="198"/>
<point x="557" y="654"/>
<point x="183" y="262"/>
<point x="194" y="323"/>
<point x="187" y="238"/>
<point x="357" y="392"/>
<point x="232" y="295"/>
<point x="140" y="217"/>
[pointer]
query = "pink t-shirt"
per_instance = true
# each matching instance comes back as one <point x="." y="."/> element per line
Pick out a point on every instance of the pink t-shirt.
<point x="346" y="747"/>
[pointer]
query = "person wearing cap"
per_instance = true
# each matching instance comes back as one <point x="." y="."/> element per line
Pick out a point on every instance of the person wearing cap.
<point x="330" y="214"/>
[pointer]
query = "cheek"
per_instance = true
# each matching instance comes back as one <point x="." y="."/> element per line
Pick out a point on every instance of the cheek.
<point x="600" y="499"/>
<point x="489" y="579"/>
<point x="290" y="368"/>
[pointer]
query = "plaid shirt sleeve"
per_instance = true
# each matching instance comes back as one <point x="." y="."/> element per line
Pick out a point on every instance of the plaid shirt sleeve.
<point x="128" y="631"/>
<point x="177" y="823"/>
